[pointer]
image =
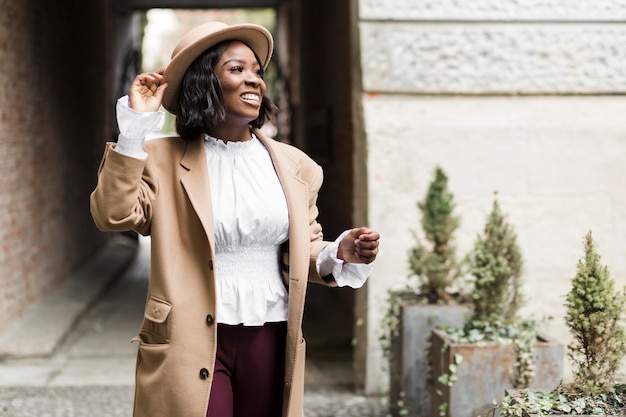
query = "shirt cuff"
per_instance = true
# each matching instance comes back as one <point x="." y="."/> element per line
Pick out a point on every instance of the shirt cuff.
<point x="134" y="127"/>
<point x="346" y="274"/>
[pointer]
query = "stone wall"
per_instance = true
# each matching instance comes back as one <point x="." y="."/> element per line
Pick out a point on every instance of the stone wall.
<point x="54" y="107"/>
<point x="519" y="97"/>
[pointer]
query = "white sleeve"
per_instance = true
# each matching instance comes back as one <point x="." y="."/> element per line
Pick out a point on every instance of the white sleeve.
<point x="134" y="127"/>
<point x="345" y="274"/>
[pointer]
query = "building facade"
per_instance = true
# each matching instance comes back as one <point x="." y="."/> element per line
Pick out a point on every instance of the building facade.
<point x="519" y="97"/>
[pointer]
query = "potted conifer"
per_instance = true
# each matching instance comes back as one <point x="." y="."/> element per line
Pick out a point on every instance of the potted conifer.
<point x="495" y="349"/>
<point x="594" y="314"/>
<point x="430" y="300"/>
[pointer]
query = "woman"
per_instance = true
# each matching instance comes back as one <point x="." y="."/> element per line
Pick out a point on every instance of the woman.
<point x="232" y="216"/>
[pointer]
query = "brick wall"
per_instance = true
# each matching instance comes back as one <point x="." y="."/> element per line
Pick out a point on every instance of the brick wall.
<point x="54" y="118"/>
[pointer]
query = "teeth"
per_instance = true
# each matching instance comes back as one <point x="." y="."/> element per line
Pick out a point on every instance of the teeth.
<point x="250" y="97"/>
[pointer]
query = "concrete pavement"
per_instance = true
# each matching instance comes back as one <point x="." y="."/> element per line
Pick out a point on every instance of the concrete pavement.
<point x="71" y="356"/>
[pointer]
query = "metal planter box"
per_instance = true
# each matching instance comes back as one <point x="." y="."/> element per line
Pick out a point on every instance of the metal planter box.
<point x="409" y="363"/>
<point x="485" y="373"/>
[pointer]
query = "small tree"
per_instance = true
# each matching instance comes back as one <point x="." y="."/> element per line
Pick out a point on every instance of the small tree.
<point x="594" y="314"/>
<point x="496" y="264"/>
<point x="594" y="311"/>
<point x="435" y="263"/>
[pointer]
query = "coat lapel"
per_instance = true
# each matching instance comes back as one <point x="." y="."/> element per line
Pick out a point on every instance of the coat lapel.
<point x="297" y="196"/>
<point x="195" y="181"/>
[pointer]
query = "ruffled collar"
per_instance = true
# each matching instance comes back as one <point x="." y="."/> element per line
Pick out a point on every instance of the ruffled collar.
<point x="232" y="147"/>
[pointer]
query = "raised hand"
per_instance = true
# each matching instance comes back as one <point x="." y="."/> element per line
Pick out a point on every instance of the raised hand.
<point x="359" y="246"/>
<point x="146" y="91"/>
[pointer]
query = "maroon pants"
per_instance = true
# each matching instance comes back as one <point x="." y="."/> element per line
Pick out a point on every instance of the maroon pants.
<point x="249" y="371"/>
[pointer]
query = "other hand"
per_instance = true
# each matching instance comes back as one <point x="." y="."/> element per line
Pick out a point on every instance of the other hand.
<point x="360" y="245"/>
<point x="146" y="91"/>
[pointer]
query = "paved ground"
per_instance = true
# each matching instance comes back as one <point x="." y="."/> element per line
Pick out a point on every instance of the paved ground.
<point x="71" y="355"/>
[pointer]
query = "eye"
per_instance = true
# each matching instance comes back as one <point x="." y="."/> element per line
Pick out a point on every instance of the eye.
<point x="237" y="68"/>
<point x="260" y="72"/>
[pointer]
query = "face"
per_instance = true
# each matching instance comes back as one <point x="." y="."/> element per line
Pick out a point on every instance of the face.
<point x="241" y="77"/>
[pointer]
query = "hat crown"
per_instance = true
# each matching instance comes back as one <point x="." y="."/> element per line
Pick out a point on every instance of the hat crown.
<point x="196" y="34"/>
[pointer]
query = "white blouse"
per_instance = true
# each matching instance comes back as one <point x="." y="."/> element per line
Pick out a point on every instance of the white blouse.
<point x="250" y="221"/>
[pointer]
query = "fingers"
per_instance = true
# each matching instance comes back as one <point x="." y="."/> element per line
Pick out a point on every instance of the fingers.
<point x="359" y="246"/>
<point x="148" y="84"/>
<point x="368" y="235"/>
<point x="366" y="246"/>
<point x="146" y="91"/>
<point x="149" y="78"/>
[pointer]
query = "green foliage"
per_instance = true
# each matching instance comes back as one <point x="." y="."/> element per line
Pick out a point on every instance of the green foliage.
<point x="594" y="314"/>
<point x="563" y="400"/>
<point x="496" y="264"/>
<point x="594" y="311"/>
<point x="451" y="377"/>
<point x="434" y="262"/>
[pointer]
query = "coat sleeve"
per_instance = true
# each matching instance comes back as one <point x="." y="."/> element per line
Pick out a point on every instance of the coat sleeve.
<point x="316" y="177"/>
<point x="122" y="199"/>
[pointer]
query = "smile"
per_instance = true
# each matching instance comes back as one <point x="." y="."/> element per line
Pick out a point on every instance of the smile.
<point x="250" y="98"/>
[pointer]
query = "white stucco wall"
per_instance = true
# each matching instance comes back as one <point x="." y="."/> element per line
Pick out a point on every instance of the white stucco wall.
<point x="499" y="107"/>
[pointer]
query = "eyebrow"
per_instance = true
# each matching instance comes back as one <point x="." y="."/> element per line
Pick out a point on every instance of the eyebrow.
<point x="240" y="61"/>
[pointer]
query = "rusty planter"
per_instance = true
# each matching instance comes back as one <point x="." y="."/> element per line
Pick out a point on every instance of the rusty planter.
<point x="485" y="373"/>
<point x="409" y="364"/>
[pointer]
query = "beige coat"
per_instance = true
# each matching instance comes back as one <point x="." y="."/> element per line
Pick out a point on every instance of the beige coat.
<point x="167" y="196"/>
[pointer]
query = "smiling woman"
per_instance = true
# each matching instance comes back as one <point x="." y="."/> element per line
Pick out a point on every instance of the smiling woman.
<point x="230" y="75"/>
<point x="165" y="27"/>
<point x="232" y="216"/>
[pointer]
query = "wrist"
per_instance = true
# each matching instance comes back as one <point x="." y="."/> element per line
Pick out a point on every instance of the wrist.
<point x="340" y="253"/>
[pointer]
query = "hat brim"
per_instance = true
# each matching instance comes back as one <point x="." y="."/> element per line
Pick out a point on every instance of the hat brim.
<point x="202" y="38"/>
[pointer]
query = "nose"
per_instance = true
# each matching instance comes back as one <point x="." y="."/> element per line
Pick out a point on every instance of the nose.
<point x="252" y="78"/>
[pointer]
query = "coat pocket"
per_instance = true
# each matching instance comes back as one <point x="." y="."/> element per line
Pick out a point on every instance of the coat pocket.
<point x="155" y="329"/>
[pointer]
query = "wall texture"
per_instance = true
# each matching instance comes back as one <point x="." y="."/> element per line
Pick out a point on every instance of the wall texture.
<point x="519" y="97"/>
<point x="54" y="118"/>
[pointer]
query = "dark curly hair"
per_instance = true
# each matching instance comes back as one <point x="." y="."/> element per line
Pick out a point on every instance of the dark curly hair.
<point x="201" y="99"/>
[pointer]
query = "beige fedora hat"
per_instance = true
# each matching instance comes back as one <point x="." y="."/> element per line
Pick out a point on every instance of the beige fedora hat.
<point x="202" y="38"/>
